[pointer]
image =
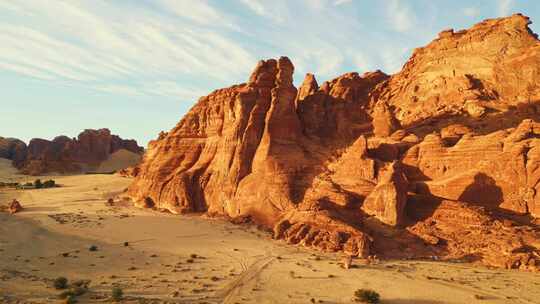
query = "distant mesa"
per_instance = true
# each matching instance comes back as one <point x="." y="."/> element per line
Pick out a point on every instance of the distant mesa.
<point x="92" y="151"/>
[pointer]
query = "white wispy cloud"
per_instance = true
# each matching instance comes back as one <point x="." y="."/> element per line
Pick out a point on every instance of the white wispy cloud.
<point x="393" y="59"/>
<point x="340" y="2"/>
<point x="95" y="43"/>
<point x="400" y="16"/>
<point x="504" y="7"/>
<point x="183" y="49"/>
<point x="158" y="88"/>
<point x="199" y="11"/>
<point x="363" y="62"/>
<point x="120" y="89"/>
<point x="471" y="11"/>
<point x="266" y="9"/>
<point x="171" y="88"/>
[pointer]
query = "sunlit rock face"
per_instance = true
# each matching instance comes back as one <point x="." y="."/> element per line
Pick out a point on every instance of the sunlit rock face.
<point x="72" y="155"/>
<point x="440" y="159"/>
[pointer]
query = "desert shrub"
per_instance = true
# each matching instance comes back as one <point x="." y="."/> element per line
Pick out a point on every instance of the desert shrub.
<point x="110" y="202"/>
<point x="78" y="290"/>
<point x="81" y="283"/>
<point x="38" y="184"/>
<point x="66" y="294"/>
<point x="367" y="296"/>
<point x="60" y="283"/>
<point x="49" y="184"/>
<point x="117" y="293"/>
<point x="149" y="203"/>
<point x="69" y="300"/>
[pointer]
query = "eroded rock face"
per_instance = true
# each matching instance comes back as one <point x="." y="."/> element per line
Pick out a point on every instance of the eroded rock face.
<point x="64" y="154"/>
<point x="422" y="163"/>
<point x="387" y="200"/>
<point x="13" y="149"/>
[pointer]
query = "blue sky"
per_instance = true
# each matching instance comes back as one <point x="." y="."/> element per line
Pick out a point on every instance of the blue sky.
<point x="136" y="66"/>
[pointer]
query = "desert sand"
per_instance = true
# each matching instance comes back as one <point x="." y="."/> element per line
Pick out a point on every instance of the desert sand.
<point x="195" y="259"/>
<point x="119" y="160"/>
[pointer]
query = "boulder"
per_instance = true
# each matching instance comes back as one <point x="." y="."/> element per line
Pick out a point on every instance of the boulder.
<point x="387" y="200"/>
<point x="14" y="207"/>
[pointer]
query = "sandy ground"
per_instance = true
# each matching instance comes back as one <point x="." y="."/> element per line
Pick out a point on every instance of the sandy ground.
<point x="233" y="263"/>
<point x="119" y="160"/>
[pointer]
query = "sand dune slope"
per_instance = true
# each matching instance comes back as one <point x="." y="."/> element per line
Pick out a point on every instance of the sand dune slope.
<point x="120" y="159"/>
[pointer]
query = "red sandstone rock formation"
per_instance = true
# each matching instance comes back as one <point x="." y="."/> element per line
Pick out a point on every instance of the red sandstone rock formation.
<point x="13" y="149"/>
<point x="14" y="207"/>
<point x="440" y="159"/>
<point x="64" y="154"/>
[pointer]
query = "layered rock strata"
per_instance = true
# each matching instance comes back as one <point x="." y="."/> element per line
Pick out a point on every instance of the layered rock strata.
<point x="440" y="159"/>
<point x="64" y="154"/>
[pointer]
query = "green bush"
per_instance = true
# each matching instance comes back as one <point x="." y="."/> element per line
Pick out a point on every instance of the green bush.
<point x="78" y="290"/>
<point x="66" y="294"/>
<point x="117" y="294"/>
<point x="367" y="296"/>
<point x="38" y="184"/>
<point x="60" y="283"/>
<point x="69" y="300"/>
<point x="49" y="184"/>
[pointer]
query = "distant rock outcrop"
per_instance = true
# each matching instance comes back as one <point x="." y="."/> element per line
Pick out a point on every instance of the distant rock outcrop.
<point x="67" y="155"/>
<point x="13" y="149"/>
<point x="441" y="159"/>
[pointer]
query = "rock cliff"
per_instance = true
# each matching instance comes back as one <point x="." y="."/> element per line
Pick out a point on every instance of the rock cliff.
<point x="440" y="159"/>
<point x="13" y="149"/>
<point x="64" y="154"/>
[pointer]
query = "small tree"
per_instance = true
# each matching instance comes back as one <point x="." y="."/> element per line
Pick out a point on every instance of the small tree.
<point x="117" y="293"/>
<point x="60" y="283"/>
<point x="367" y="296"/>
<point x="69" y="300"/>
<point x="38" y="184"/>
<point x="49" y="184"/>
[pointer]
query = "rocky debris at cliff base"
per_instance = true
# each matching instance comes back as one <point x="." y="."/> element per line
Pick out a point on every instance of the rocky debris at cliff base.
<point x="129" y="172"/>
<point x="14" y="207"/>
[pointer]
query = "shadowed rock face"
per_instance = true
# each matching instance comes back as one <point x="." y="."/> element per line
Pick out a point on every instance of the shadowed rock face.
<point x="13" y="149"/>
<point x="429" y="161"/>
<point x="67" y="155"/>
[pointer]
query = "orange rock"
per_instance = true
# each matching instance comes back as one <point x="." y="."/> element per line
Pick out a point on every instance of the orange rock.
<point x="15" y="207"/>
<point x="64" y="154"/>
<point x="439" y="153"/>
<point x="387" y="200"/>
